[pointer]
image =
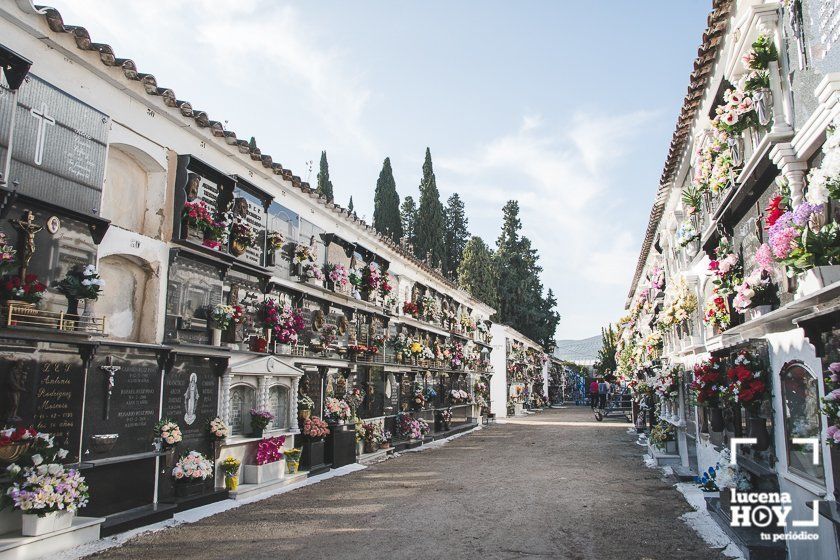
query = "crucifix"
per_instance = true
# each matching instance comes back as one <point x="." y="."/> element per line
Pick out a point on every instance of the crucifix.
<point x="28" y="228"/>
<point x="111" y="371"/>
<point x="44" y="119"/>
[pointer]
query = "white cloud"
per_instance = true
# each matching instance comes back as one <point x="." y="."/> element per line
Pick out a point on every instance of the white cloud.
<point x="564" y="177"/>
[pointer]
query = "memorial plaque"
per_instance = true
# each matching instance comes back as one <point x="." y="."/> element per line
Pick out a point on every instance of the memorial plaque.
<point x="190" y="399"/>
<point x="45" y="391"/>
<point x="129" y="411"/>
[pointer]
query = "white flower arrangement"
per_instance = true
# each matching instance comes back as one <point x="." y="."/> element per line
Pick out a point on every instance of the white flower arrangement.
<point x="193" y="466"/>
<point x="218" y="428"/>
<point x="168" y="432"/>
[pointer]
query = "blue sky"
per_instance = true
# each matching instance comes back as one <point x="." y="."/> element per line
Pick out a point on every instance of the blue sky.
<point x="566" y="106"/>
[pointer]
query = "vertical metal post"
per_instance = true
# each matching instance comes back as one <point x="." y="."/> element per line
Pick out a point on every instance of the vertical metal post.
<point x="8" y="163"/>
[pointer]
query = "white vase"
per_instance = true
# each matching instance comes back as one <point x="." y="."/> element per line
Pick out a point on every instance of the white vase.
<point x="815" y="279"/>
<point x="34" y="525"/>
<point x="257" y="474"/>
<point x="217" y="337"/>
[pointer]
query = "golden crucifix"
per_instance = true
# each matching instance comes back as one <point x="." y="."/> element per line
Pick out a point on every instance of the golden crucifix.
<point x="28" y="228"/>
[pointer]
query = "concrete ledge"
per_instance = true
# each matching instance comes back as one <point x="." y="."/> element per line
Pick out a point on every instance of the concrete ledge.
<point x="13" y="546"/>
<point x="249" y="490"/>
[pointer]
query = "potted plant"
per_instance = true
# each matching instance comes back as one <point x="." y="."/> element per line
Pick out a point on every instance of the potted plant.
<point x="663" y="437"/>
<point x="230" y="466"/>
<point x="45" y="492"/>
<point x="372" y="436"/>
<point x="260" y="419"/>
<point x="24" y="293"/>
<point x="80" y="283"/>
<point x="242" y="237"/>
<point x="314" y="430"/>
<point x="167" y="436"/>
<point x="196" y="217"/>
<point x="282" y="322"/>
<point x="337" y="411"/>
<point x="385" y="442"/>
<point x="708" y="389"/>
<point x="443" y="419"/>
<point x="337" y="276"/>
<point x="274" y="241"/>
<point x="305" y="406"/>
<point x="747" y="387"/>
<point x="222" y="316"/>
<point x="190" y="472"/>
<point x="292" y="460"/>
<point x="707" y="483"/>
<point x="267" y="460"/>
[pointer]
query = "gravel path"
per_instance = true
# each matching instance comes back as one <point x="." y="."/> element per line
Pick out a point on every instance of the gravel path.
<point x="554" y="485"/>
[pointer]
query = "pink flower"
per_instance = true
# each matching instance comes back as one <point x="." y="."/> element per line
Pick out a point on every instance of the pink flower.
<point x="834" y="367"/>
<point x="833" y="432"/>
<point x="764" y="257"/>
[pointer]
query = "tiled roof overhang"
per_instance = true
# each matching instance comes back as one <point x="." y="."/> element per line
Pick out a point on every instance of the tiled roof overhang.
<point x="698" y="80"/>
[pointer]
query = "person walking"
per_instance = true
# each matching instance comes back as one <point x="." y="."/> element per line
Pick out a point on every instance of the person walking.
<point x="603" y="391"/>
<point x="593" y="394"/>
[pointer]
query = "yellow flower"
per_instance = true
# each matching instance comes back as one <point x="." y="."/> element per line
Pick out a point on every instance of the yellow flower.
<point x="416" y="347"/>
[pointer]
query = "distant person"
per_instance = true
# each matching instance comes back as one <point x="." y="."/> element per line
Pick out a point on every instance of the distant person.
<point x="603" y="391"/>
<point x="593" y="394"/>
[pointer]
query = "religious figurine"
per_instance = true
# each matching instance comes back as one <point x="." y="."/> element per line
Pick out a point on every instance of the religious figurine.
<point x="193" y="182"/>
<point x="28" y="228"/>
<point x="191" y="400"/>
<point x="15" y="387"/>
<point x="240" y="208"/>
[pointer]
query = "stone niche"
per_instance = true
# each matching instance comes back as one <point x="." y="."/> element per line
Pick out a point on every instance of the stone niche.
<point x="191" y="399"/>
<point x="135" y="190"/>
<point x="130" y="298"/>
<point x="194" y="287"/>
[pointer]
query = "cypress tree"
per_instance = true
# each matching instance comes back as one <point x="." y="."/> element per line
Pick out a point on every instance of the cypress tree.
<point x="350" y="204"/>
<point x="325" y="186"/>
<point x="429" y="225"/>
<point x="606" y="355"/>
<point x="455" y="235"/>
<point x="476" y="272"/>
<point x="408" y="217"/>
<point x="386" y="204"/>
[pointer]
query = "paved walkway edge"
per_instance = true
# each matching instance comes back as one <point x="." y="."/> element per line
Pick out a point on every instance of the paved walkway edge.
<point x="199" y="513"/>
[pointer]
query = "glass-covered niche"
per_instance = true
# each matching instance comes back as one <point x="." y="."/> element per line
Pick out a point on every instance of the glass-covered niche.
<point x="194" y="288"/>
<point x="278" y="405"/>
<point x="248" y="211"/>
<point x="242" y="400"/>
<point x="283" y="221"/>
<point x="800" y="399"/>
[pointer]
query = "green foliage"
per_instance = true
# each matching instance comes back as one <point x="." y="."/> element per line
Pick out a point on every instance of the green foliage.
<point x="692" y="197"/>
<point x="477" y="273"/>
<point x="455" y="235"/>
<point x="386" y="204"/>
<point x="408" y="217"/>
<point x="520" y="291"/>
<point x="325" y="186"/>
<point x="350" y="207"/>
<point x="606" y="355"/>
<point x="429" y="224"/>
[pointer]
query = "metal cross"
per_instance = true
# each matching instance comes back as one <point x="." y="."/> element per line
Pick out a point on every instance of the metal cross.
<point x="43" y="120"/>
<point x="109" y="383"/>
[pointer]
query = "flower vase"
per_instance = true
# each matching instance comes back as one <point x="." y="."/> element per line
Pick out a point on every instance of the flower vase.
<point x="34" y="525"/>
<point x="763" y="100"/>
<point x="237" y="247"/>
<point x="692" y="248"/>
<point x="736" y="148"/>
<point x="369" y="447"/>
<point x="169" y="457"/>
<point x="305" y="414"/>
<point x="86" y="319"/>
<point x="816" y="279"/>
<point x="758" y="430"/>
<point x="231" y="483"/>
<point x="217" y="336"/>
<point x="360" y="448"/>
<point x="716" y="422"/>
<point x="292" y="466"/>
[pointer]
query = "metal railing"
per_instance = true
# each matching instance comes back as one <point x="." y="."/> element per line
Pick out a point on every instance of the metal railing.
<point x="27" y="316"/>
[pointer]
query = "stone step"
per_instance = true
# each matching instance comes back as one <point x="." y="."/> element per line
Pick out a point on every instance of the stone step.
<point x="684" y="474"/>
<point x="250" y="490"/>
<point x="136" y="517"/>
<point x="14" y="546"/>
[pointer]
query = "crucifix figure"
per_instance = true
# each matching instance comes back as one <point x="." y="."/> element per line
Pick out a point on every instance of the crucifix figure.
<point x="111" y="370"/>
<point x="44" y="119"/>
<point x="28" y="228"/>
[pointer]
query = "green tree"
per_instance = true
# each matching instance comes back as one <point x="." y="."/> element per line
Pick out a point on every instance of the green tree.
<point x="606" y="355"/>
<point x="521" y="303"/>
<point x="386" y="204"/>
<point x="429" y="224"/>
<point x="476" y="272"/>
<point x="325" y="187"/>
<point x="455" y="235"/>
<point x="408" y="217"/>
<point x="350" y="204"/>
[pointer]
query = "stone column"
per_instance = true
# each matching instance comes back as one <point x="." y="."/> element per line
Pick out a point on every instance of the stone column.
<point x="224" y="397"/>
<point x="793" y="169"/>
<point x="262" y="393"/>
<point x="293" y="404"/>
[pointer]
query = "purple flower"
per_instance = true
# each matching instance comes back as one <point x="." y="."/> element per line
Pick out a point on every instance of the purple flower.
<point x="803" y="213"/>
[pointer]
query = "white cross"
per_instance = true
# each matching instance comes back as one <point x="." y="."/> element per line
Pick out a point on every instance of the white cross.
<point x="43" y="120"/>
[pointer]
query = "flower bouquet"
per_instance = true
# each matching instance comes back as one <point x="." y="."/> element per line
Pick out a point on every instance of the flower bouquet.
<point x="27" y="290"/>
<point x="336" y="410"/>
<point x="223" y="316"/>
<point x="230" y="466"/>
<point x="218" y="429"/>
<point x="315" y="429"/>
<point x="81" y="283"/>
<point x="707" y="481"/>
<point x="709" y="388"/>
<point x="274" y="240"/>
<point x="726" y="268"/>
<point x="302" y="254"/>
<point x="746" y="382"/>
<point x="168" y="433"/>
<point x="260" y="419"/>
<point x="7" y="254"/>
<point x="716" y="312"/>
<point x="337" y="275"/>
<point x="292" y="457"/>
<point x="284" y="321"/>
<point x="197" y="215"/>
<point x="305" y="405"/>
<point x="192" y="467"/>
<point x="270" y="450"/>
<point x="410" y="308"/>
<point x="756" y="290"/>
<point x="40" y="487"/>
<point x="408" y="427"/>
<point x="459" y="396"/>
<point x="831" y="404"/>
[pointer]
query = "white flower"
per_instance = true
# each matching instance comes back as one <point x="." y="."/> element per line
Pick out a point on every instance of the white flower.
<point x="37" y="459"/>
<point x="13" y="470"/>
<point x="62" y="453"/>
